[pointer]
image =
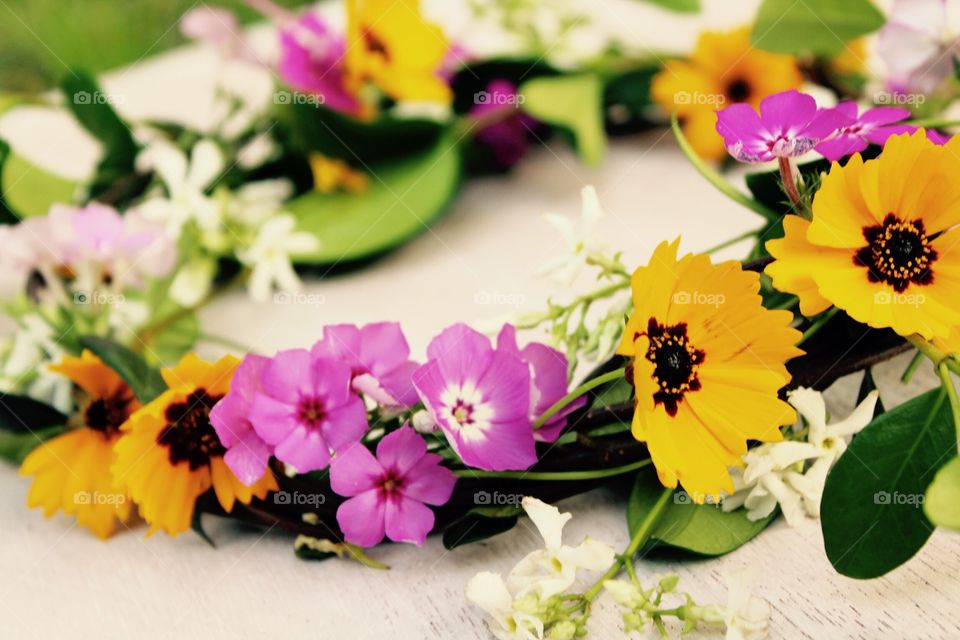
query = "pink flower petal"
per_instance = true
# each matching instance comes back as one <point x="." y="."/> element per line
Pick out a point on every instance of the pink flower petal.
<point x="304" y="449"/>
<point x="361" y="519"/>
<point x="408" y="520"/>
<point x="429" y="482"/>
<point x="354" y="471"/>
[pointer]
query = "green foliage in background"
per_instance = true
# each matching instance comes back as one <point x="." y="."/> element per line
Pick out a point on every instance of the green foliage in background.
<point x="42" y="39"/>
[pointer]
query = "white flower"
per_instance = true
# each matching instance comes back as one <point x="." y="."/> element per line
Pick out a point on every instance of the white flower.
<point x="746" y="616"/>
<point x="186" y="181"/>
<point x="489" y="592"/>
<point x="552" y="570"/>
<point x="774" y="473"/>
<point x="580" y="238"/>
<point x="256" y="202"/>
<point x="192" y="282"/>
<point x="269" y="255"/>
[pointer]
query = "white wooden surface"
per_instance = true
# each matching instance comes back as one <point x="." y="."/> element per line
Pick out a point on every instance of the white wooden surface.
<point x="58" y="581"/>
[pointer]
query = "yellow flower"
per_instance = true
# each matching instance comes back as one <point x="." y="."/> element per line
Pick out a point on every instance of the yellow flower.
<point x="169" y="453"/>
<point x="882" y="243"/>
<point x="331" y="175"/>
<point x="708" y="361"/>
<point x="390" y="44"/>
<point x="72" y="470"/>
<point x="723" y="68"/>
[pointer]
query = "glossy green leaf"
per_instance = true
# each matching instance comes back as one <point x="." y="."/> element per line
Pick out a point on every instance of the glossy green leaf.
<point x="942" y="504"/>
<point x="822" y="27"/>
<point x="15" y="447"/>
<point x="704" y="530"/>
<point x="29" y="190"/>
<point x="871" y="515"/>
<point x="144" y="380"/>
<point x="403" y="198"/>
<point x="24" y="414"/>
<point x="479" y="524"/>
<point x="574" y="103"/>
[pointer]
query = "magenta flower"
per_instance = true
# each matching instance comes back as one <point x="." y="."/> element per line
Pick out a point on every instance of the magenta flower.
<point x="379" y="357"/>
<point x="789" y="125"/>
<point x="480" y="397"/>
<point x="548" y="381"/>
<point x="247" y="454"/>
<point x="311" y="60"/>
<point x="872" y="126"/>
<point x="306" y="409"/>
<point x="507" y="139"/>
<point x="388" y="493"/>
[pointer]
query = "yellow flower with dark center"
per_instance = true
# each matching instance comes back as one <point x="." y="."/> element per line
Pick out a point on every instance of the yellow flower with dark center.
<point x="72" y="471"/>
<point x="331" y="175"/>
<point x="391" y="45"/>
<point x="882" y="245"/>
<point x="707" y="364"/>
<point x="169" y="453"/>
<point x="724" y="68"/>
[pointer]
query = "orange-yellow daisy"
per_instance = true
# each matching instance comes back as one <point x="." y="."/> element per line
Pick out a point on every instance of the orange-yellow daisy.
<point x="883" y="243"/>
<point x="391" y="45"/>
<point x="723" y="69"/>
<point x="708" y="361"/>
<point x="169" y="453"/>
<point x="72" y="471"/>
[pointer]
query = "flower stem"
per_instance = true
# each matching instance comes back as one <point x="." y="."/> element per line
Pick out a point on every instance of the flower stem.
<point x="935" y="355"/>
<point x="947" y="382"/>
<point x="818" y="324"/>
<point x="732" y="241"/>
<point x="640" y="537"/>
<point x="715" y="178"/>
<point x="576" y="393"/>
<point x="554" y="475"/>
<point x="790" y="183"/>
<point x="912" y="367"/>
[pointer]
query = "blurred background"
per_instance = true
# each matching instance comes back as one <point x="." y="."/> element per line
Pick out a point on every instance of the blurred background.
<point x="40" y="39"/>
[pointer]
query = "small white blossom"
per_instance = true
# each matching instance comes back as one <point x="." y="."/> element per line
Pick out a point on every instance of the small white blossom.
<point x="746" y="616"/>
<point x="269" y="256"/>
<point x="580" y="238"/>
<point x="192" y="282"/>
<point x="489" y="592"/>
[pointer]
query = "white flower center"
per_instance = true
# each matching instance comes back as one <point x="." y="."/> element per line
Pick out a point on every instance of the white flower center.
<point x="465" y="412"/>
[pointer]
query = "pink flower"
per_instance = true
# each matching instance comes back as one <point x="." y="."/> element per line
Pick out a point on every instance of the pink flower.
<point x="789" y="125"/>
<point x="247" y="454"/>
<point x="220" y="29"/>
<point x="379" y="358"/>
<point x="507" y="139"/>
<point x="306" y="409"/>
<point x="480" y="397"/>
<point x="388" y="493"/>
<point x="548" y="381"/>
<point x="917" y="45"/>
<point x="311" y="60"/>
<point x="872" y="126"/>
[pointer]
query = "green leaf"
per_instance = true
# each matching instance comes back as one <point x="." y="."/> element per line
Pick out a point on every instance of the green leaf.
<point x="871" y="513"/>
<point x="15" y="447"/>
<point x="92" y="108"/>
<point x="403" y="198"/>
<point x="867" y="385"/>
<point x="144" y="380"/>
<point x="942" y="504"/>
<point x="573" y="103"/>
<point x="197" y="527"/>
<point x="479" y="524"/>
<point x="630" y="91"/>
<point x="704" y="530"/>
<point x="29" y="190"/>
<point x="175" y="341"/>
<point x="813" y="26"/>
<point x="7" y="215"/>
<point x="24" y="414"/>
<point x="679" y="6"/>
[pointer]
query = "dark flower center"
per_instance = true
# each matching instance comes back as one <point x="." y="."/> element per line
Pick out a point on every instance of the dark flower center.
<point x="675" y="363"/>
<point x="462" y="412"/>
<point x="898" y="253"/>
<point x="390" y="484"/>
<point x="311" y="412"/>
<point x="107" y="414"/>
<point x="374" y="44"/>
<point x="189" y="435"/>
<point x="738" y="90"/>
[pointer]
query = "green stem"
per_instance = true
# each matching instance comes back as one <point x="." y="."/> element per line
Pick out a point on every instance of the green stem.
<point x="947" y="382"/>
<point x="935" y="355"/>
<point x="912" y="367"/>
<point x="553" y="475"/>
<point x="732" y="241"/>
<point x="576" y="393"/>
<point x="787" y="169"/>
<point x="225" y="342"/>
<point x="640" y="536"/>
<point x="714" y="178"/>
<point x="818" y="324"/>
